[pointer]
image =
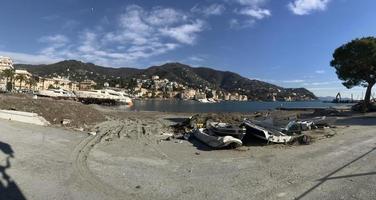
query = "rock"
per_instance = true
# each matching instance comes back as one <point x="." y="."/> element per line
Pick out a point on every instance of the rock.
<point x="305" y="140"/>
<point x="138" y="187"/>
<point x="93" y="133"/>
<point x="197" y="153"/>
<point x="80" y="129"/>
<point x="66" y="121"/>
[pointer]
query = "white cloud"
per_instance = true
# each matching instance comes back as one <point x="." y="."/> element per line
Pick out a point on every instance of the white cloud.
<point x="61" y="39"/>
<point x="253" y="3"/>
<point x="185" y="33"/>
<point x="322" y="83"/>
<point x="294" y="81"/>
<point x="139" y="35"/>
<point x="165" y="16"/>
<point x="29" y="58"/>
<point x="305" y="7"/>
<point x="320" y="71"/>
<point x="196" y="59"/>
<point x="257" y="13"/>
<point x="237" y="24"/>
<point x="54" y="43"/>
<point x="213" y="9"/>
<point x="252" y="10"/>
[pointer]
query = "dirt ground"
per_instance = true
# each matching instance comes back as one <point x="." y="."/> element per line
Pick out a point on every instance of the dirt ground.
<point x="55" y="111"/>
<point x="51" y="163"/>
<point x="131" y="155"/>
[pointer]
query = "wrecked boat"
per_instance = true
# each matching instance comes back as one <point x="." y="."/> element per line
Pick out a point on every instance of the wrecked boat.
<point x="56" y="93"/>
<point x="268" y="134"/>
<point x="214" y="141"/>
<point x="298" y="126"/>
<point x="105" y="96"/>
<point x="225" y="129"/>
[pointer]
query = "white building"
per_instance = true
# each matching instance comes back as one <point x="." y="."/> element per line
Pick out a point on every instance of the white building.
<point x="5" y="63"/>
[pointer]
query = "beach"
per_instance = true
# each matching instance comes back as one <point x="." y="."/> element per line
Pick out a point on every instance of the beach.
<point x="132" y="155"/>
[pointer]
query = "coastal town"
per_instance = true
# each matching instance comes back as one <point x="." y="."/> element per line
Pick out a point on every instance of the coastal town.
<point x="186" y="100"/>
<point x="144" y="87"/>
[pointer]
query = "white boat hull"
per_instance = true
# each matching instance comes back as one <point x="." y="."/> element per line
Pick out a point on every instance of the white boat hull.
<point x="216" y="141"/>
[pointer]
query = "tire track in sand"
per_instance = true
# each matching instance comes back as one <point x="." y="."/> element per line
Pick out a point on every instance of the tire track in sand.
<point x="79" y="157"/>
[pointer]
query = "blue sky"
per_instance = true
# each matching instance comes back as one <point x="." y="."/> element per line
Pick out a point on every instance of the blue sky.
<point x="284" y="42"/>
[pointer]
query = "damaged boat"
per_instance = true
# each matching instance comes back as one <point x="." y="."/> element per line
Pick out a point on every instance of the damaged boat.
<point x="298" y="126"/>
<point x="103" y="96"/>
<point x="225" y="129"/>
<point x="266" y="133"/>
<point x="56" y="93"/>
<point x="214" y="141"/>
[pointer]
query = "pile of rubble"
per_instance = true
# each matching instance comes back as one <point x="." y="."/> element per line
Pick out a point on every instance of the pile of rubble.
<point x="224" y="131"/>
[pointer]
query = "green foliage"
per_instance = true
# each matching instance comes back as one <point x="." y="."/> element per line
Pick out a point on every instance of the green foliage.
<point x="355" y="62"/>
<point x="9" y="86"/>
<point x="21" y="78"/>
<point x="9" y="75"/>
<point x="52" y="87"/>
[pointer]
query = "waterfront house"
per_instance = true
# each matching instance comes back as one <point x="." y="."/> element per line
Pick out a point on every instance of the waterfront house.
<point x="5" y="63"/>
<point x="21" y="83"/>
<point x="87" y="85"/>
<point x="57" y="83"/>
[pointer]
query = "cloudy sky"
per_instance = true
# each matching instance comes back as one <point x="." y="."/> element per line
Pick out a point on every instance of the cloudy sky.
<point x="284" y="42"/>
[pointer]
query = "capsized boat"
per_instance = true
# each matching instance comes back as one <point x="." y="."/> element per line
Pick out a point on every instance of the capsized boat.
<point x="56" y="93"/>
<point x="214" y="141"/>
<point x="104" y="94"/>
<point x="266" y="133"/>
<point x="225" y="129"/>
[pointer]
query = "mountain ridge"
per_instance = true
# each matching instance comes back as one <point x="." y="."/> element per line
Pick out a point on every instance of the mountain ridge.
<point x="194" y="77"/>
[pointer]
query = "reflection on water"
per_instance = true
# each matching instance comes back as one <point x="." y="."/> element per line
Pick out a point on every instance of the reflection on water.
<point x="227" y="106"/>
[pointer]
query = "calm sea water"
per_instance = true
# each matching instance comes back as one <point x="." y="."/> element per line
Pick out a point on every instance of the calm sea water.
<point x="226" y="106"/>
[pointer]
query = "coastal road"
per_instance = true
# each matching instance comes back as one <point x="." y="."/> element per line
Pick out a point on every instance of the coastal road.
<point x="41" y="163"/>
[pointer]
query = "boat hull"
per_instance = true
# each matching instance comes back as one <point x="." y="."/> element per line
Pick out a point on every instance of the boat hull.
<point x="223" y="129"/>
<point x="266" y="134"/>
<point x="216" y="141"/>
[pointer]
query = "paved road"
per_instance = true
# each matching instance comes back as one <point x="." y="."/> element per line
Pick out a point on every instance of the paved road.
<point x="40" y="163"/>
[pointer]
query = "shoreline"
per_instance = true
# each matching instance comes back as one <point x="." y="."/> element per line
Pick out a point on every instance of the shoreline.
<point x="86" y="116"/>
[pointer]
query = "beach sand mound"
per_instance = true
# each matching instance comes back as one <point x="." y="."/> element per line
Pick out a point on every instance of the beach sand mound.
<point x="58" y="112"/>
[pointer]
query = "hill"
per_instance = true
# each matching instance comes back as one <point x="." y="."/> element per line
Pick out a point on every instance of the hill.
<point x="200" y="77"/>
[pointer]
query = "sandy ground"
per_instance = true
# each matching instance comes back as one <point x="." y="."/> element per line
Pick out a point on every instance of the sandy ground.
<point x="80" y="116"/>
<point x="128" y="159"/>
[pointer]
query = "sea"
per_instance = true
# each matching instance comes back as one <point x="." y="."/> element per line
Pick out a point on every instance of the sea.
<point x="225" y="106"/>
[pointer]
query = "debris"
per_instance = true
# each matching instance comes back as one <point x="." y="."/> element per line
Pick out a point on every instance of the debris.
<point x="187" y="136"/>
<point x="305" y="140"/>
<point x="79" y="129"/>
<point x="65" y="121"/>
<point x="93" y="133"/>
<point x="212" y="140"/>
<point x="138" y="187"/>
<point x="225" y="129"/>
<point x="266" y="133"/>
<point x="168" y="134"/>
